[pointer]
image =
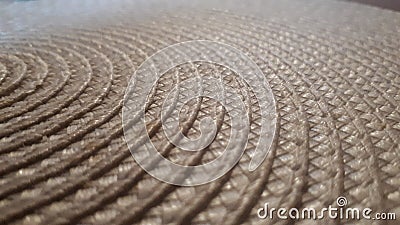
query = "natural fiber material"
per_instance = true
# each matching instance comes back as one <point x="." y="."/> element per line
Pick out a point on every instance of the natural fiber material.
<point x="333" y="68"/>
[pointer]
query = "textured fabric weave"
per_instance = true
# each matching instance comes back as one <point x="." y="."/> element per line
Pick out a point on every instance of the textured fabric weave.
<point x="333" y="68"/>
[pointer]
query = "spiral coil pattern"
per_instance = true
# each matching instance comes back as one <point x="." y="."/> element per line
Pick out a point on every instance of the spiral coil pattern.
<point x="64" y="159"/>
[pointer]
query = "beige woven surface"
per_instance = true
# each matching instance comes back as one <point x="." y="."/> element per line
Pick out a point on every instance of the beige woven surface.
<point x="333" y="68"/>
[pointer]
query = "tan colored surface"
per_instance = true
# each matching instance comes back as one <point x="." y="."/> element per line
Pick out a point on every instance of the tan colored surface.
<point x="333" y="68"/>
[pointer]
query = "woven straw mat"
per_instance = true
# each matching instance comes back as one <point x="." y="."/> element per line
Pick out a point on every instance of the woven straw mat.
<point x="333" y="67"/>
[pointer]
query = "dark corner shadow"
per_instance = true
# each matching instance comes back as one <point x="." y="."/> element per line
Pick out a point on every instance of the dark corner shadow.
<point x="386" y="4"/>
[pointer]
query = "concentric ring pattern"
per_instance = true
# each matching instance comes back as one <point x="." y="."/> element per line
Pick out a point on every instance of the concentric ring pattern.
<point x="334" y="71"/>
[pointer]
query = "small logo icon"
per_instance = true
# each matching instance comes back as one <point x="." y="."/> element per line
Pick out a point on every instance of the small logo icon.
<point x="341" y="201"/>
